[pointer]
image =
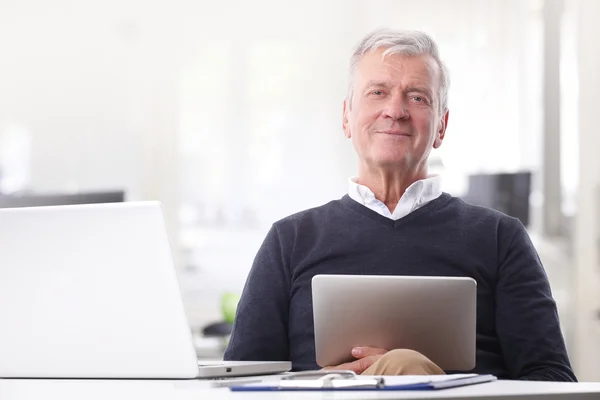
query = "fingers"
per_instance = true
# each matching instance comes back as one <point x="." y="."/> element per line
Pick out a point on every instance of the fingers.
<point x="362" y="352"/>
<point x="365" y="363"/>
<point x="366" y="357"/>
<point x="357" y="366"/>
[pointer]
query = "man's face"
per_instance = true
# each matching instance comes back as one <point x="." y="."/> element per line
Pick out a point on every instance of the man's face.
<point x="394" y="118"/>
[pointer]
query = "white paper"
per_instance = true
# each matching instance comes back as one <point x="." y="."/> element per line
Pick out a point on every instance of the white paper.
<point x="415" y="379"/>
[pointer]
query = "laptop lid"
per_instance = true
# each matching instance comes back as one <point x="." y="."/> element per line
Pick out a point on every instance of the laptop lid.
<point x="90" y="291"/>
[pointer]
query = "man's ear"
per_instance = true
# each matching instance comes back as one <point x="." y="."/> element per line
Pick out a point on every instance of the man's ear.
<point x="345" y="126"/>
<point x="441" y="133"/>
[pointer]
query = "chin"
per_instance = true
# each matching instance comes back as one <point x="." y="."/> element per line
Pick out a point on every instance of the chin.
<point x="391" y="161"/>
<point x="392" y="154"/>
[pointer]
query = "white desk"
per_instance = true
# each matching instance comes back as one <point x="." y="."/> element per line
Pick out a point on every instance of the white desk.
<point x="26" y="389"/>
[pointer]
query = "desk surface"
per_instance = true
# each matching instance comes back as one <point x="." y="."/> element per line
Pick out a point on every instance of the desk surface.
<point x="21" y="389"/>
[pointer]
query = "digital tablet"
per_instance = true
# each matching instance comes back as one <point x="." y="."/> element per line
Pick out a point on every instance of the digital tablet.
<point x="435" y="316"/>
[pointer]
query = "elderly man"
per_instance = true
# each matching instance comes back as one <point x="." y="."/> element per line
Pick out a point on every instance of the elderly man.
<point x="395" y="220"/>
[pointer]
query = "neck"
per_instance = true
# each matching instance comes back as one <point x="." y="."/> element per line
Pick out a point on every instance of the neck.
<point x="388" y="186"/>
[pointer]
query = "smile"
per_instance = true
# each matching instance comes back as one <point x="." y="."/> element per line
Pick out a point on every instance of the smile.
<point x="395" y="133"/>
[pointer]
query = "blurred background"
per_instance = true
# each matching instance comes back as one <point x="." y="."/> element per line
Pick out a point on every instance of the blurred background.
<point x="229" y="113"/>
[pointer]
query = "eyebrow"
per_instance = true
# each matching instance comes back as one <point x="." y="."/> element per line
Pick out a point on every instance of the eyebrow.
<point x="371" y="84"/>
<point x="419" y="89"/>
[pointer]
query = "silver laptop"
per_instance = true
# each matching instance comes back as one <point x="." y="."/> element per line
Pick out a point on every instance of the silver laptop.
<point x="435" y="316"/>
<point x="90" y="291"/>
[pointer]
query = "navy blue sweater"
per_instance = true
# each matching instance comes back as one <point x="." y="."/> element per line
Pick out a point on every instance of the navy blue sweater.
<point x="518" y="333"/>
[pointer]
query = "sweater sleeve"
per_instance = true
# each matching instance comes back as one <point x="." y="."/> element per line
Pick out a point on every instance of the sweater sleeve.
<point x="526" y="316"/>
<point x="260" y="329"/>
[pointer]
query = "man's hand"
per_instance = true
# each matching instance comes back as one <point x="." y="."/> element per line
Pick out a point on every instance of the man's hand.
<point x="366" y="356"/>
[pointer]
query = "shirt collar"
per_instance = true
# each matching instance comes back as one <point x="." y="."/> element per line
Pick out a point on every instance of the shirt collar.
<point x="417" y="194"/>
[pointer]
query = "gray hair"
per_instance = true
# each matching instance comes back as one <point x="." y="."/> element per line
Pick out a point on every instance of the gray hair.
<point x="405" y="42"/>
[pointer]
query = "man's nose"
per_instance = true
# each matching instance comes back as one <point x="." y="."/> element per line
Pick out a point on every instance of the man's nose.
<point x="396" y="109"/>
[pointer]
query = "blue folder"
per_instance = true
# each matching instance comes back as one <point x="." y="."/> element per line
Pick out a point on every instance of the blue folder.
<point x="362" y="384"/>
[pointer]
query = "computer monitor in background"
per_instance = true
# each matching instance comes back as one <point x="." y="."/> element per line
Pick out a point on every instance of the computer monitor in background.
<point x="505" y="192"/>
<point x="59" y="199"/>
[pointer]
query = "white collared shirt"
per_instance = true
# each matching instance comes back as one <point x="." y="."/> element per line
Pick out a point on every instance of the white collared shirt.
<point x="416" y="196"/>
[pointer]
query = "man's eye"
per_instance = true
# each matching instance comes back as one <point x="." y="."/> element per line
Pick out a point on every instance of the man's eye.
<point x="418" y="98"/>
<point x="377" y="92"/>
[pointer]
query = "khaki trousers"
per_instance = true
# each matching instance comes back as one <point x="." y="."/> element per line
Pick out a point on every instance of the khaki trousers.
<point x="403" y="362"/>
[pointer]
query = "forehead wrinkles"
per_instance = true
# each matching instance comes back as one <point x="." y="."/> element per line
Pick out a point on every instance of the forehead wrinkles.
<point x="413" y="67"/>
<point x="413" y="70"/>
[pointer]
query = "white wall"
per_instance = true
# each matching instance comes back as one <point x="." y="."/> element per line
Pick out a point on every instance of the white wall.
<point x="68" y="78"/>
